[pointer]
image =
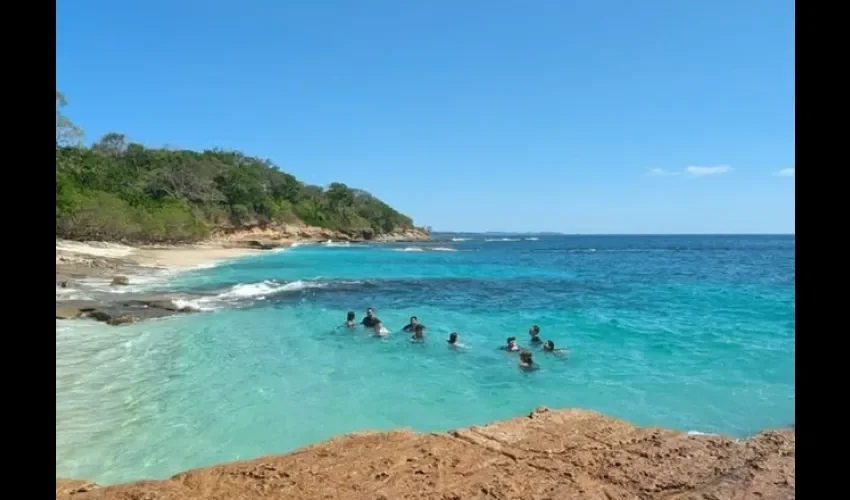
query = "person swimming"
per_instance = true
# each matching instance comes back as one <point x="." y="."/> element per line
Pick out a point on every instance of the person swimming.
<point x="534" y="333"/>
<point x="350" y="320"/>
<point x="418" y="333"/>
<point x="549" y="346"/>
<point x="380" y="330"/>
<point x="412" y="325"/>
<point x="370" y="320"/>
<point x="453" y="341"/>
<point x="526" y="361"/>
<point x="511" y="346"/>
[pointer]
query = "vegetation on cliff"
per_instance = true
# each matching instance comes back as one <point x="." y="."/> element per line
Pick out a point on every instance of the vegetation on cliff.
<point x="116" y="190"/>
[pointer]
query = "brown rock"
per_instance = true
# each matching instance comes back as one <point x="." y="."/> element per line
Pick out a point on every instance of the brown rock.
<point x="261" y="244"/>
<point x="547" y="455"/>
<point x="67" y="312"/>
<point x="120" y="280"/>
<point x="123" y="319"/>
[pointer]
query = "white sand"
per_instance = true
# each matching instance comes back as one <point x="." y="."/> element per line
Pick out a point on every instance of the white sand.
<point x="176" y="257"/>
<point x="187" y="257"/>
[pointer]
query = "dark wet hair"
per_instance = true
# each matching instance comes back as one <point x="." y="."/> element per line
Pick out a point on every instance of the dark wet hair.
<point x="368" y="309"/>
<point x="452" y="338"/>
<point x="510" y="339"/>
<point x="525" y="356"/>
<point x="419" y="328"/>
<point x="535" y="328"/>
<point x="549" y="344"/>
<point x="413" y="318"/>
<point x="350" y="315"/>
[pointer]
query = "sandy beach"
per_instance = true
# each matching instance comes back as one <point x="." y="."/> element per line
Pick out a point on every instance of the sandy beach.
<point x="72" y="253"/>
<point x="187" y="257"/>
<point x="107" y="281"/>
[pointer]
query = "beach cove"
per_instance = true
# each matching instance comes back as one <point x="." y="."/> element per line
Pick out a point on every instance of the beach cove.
<point x="258" y="367"/>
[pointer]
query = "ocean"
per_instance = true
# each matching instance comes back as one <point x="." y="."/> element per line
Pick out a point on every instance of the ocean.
<point x="694" y="333"/>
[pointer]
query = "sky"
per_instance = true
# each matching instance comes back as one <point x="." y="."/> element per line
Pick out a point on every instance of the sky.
<point x="584" y="116"/>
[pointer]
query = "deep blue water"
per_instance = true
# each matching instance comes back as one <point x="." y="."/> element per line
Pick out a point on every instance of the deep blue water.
<point x="688" y="332"/>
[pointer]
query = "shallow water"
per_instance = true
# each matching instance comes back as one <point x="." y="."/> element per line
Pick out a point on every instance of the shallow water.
<point x="692" y="333"/>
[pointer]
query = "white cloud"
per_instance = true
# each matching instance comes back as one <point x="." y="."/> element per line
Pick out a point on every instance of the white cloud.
<point x="786" y="172"/>
<point x="661" y="172"/>
<point x="691" y="171"/>
<point x="706" y="171"/>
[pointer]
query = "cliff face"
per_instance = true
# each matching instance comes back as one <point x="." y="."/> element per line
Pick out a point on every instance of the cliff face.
<point x="546" y="455"/>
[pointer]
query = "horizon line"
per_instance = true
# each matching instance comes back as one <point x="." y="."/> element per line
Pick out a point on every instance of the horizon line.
<point x="559" y="233"/>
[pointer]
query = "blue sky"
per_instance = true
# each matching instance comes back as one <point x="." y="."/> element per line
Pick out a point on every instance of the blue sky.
<point x="586" y="116"/>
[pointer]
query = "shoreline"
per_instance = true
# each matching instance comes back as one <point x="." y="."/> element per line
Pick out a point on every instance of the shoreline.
<point x="100" y="280"/>
<point x="546" y="454"/>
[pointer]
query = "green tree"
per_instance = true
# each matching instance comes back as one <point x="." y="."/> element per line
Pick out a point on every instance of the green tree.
<point x="119" y="190"/>
<point x="67" y="134"/>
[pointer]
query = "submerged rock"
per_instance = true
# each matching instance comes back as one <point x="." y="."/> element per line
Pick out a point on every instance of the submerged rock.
<point x="547" y="455"/>
<point x="120" y="280"/>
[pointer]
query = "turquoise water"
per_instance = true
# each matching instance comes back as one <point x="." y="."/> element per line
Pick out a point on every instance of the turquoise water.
<point x="689" y="332"/>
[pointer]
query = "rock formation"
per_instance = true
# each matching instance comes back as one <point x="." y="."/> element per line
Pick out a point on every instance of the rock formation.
<point x="555" y="455"/>
<point x="122" y="310"/>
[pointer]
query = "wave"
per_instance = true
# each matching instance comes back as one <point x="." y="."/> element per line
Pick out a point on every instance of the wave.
<point x="501" y="239"/>
<point x="461" y="239"/>
<point x="423" y="249"/>
<point x="337" y="244"/>
<point x="246" y="292"/>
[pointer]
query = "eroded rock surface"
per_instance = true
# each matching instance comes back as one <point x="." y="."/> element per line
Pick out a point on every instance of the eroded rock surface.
<point x="555" y="455"/>
<point x="120" y="310"/>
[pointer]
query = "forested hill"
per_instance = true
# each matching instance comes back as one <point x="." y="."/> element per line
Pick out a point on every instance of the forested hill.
<point x="121" y="191"/>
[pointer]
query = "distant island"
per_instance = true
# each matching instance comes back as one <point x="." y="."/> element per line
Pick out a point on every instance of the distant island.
<point x="117" y="190"/>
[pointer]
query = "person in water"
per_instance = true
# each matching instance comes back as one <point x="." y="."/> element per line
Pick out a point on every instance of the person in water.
<point x="412" y="325"/>
<point x="380" y="330"/>
<point x="511" y="346"/>
<point x="350" y="320"/>
<point x="549" y="346"/>
<point x="370" y="320"/>
<point x="534" y="333"/>
<point x="454" y="341"/>
<point x="526" y="362"/>
<point x="418" y="333"/>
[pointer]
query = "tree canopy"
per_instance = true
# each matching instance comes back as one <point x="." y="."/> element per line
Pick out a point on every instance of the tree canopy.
<point x="120" y="190"/>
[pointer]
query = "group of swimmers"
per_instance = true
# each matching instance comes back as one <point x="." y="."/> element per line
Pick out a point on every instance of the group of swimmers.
<point x="526" y="360"/>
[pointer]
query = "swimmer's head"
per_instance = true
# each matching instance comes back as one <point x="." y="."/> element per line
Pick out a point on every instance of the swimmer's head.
<point x="419" y="330"/>
<point x="414" y="320"/>
<point x="525" y="357"/>
<point x="453" y="338"/>
<point x="548" y="346"/>
<point x="511" y="342"/>
<point x="534" y="330"/>
<point x="350" y="316"/>
<point x="378" y="326"/>
<point x="370" y="312"/>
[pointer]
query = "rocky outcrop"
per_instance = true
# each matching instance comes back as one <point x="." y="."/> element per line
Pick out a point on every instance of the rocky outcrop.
<point x="268" y="237"/>
<point x="120" y="311"/>
<point x="547" y="455"/>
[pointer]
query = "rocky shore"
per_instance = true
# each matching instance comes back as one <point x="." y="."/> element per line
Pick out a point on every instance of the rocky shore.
<point x="546" y="455"/>
<point x="116" y="266"/>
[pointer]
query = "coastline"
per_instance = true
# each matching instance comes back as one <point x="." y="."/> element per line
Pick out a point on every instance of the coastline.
<point x="114" y="268"/>
<point x="546" y="454"/>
